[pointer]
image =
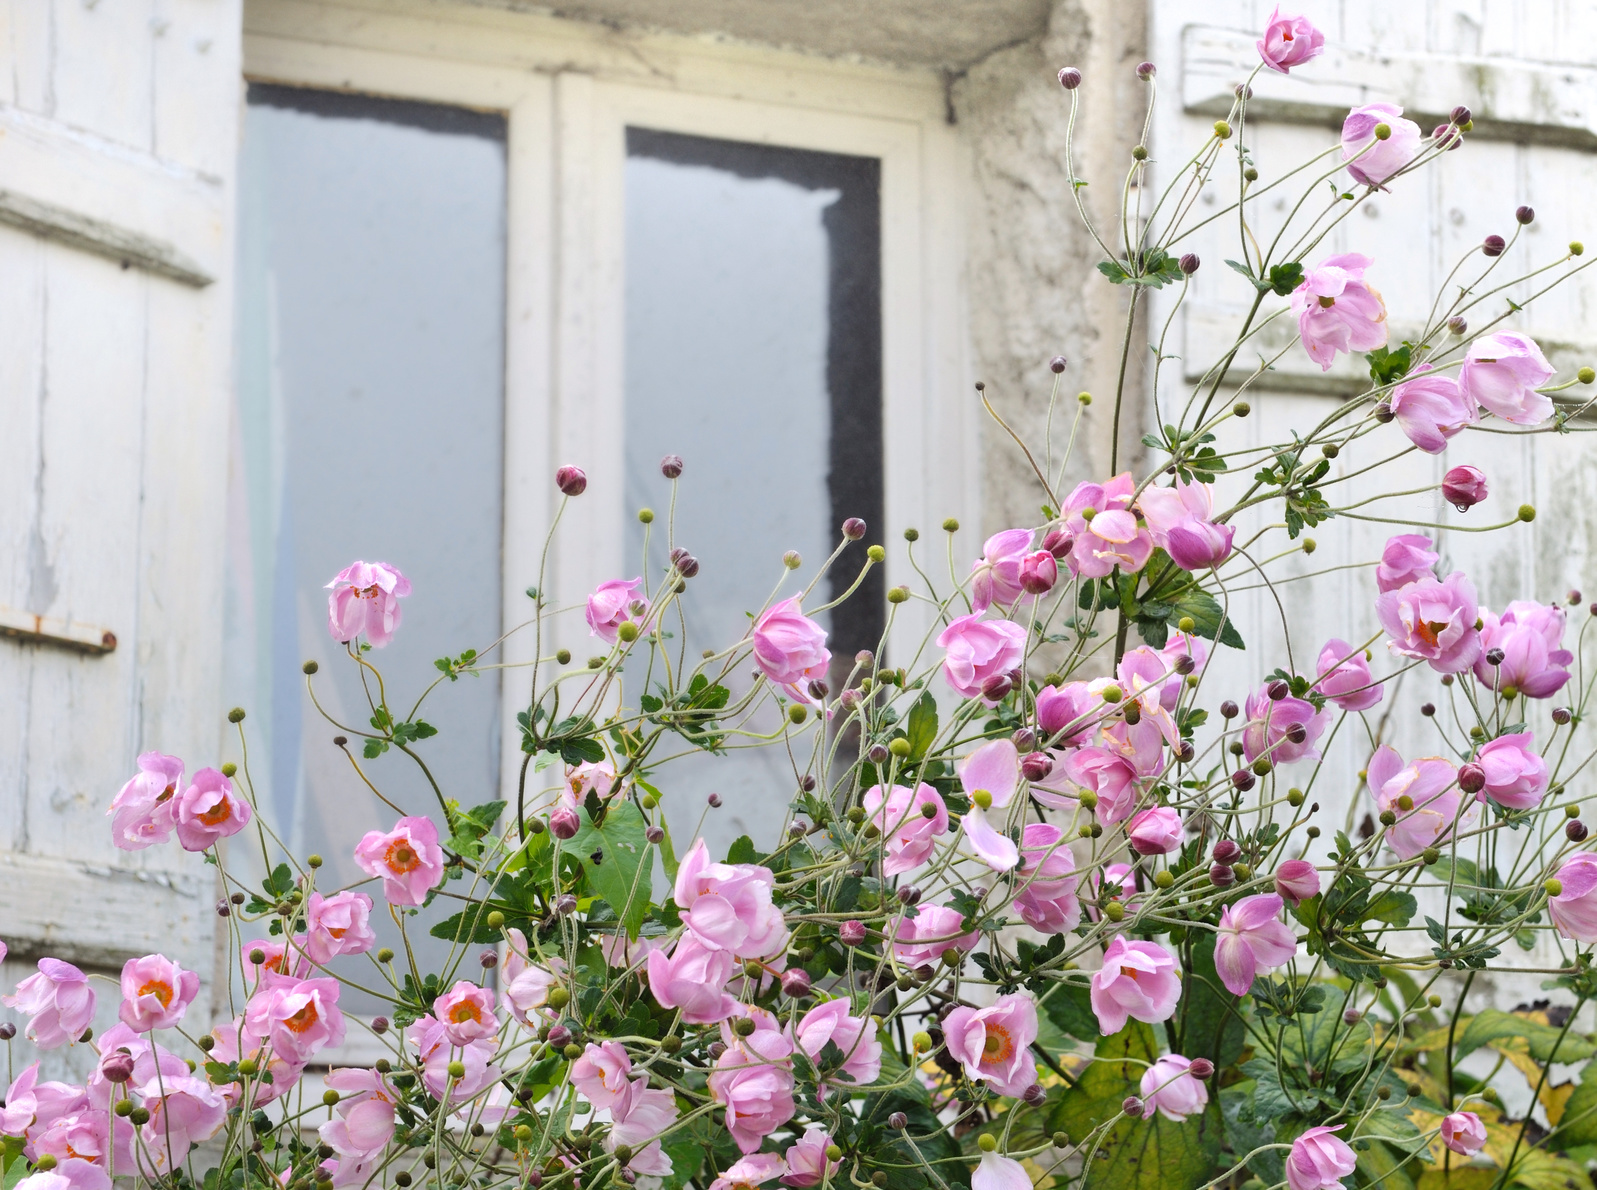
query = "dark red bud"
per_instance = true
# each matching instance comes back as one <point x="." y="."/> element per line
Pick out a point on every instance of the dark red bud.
<point x="573" y="481"/>
<point x="1226" y="851"/>
<point x="1493" y="245"/>
<point x="1525" y="215"/>
<point x="671" y="466"/>
<point x="1201" y="1068"/>
<point x="1472" y="778"/>
<point x="853" y="528"/>
<point x="1036" y="766"/>
<point x="1221" y="876"/>
<point x="1058" y="364"/>
<point x="1070" y="78"/>
<point x="796" y="982"/>
<point x="1575" y="830"/>
<point x="1189" y="263"/>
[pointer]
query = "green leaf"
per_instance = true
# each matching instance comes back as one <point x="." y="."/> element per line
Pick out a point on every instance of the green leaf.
<point x="1284" y="278"/>
<point x="1245" y="1133"/>
<point x="1495" y="1025"/>
<point x="1248" y="273"/>
<point x="1112" y="270"/>
<point x="742" y="851"/>
<point x="1578" y="1125"/>
<point x="624" y="877"/>
<point x="1392" y="907"/>
<point x="581" y="751"/>
<point x="1207" y="615"/>
<point x="1156" y="1154"/>
<point x="1387" y="366"/>
<point x="1069" y="1007"/>
<point x="921" y="728"/>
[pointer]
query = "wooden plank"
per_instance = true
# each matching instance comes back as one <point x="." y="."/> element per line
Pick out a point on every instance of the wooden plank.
<point x="102" y="197"/>
<point x="103" y="915"/>
<point x="48" y="630"/>
<point x="1538" y="102"/>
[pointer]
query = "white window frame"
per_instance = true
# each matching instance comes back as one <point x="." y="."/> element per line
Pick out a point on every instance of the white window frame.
<point x="569" y="92"/>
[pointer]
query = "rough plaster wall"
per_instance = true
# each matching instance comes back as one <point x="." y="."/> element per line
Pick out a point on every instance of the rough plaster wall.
<point x="1034" y="287"/>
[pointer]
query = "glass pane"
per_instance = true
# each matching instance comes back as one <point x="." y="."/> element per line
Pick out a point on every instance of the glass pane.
<point x="369" y="425"/>
<point x="753" y="350"/>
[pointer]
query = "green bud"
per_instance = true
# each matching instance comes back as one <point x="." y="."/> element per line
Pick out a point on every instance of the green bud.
<point x="1527" y="513"/>
<point x="670" y="1044"/>
<point x="330" y="1097"/>
<point x="1383" y="131"/>
<point x="558" y="997"/>
<point x="44" y="1163"/>
<point x="1061" y="1140"/>
<point x="1552" y="886"/>
<point x="1139" y="153"/>
<point x="1430" y="855"/>
<point x="899" y="747"/>
<point x="1084" y="398"/>
<point x="1575" y="249"/>
<point x="876" y="553"/>
<point x="1242" y="409"/>
<point x="123" y="1107"/>
<point x="310" y="667"/>
<point x="248" y="1067"/>
<point x="140" y="1116"/>
<point x="898" y="595"/>
<point x="646" y="516"/>
<point x="1186" y="624"/>
<point x="313" y="861"/>
<point x="496" y="920"/>
<point x="1163" y="879"/>
<point x="1114" y="911"/>
<point x="384" y="955"/>
<point x="1262" y="766"/>
<point x="1586" y="375"/>
<point x="1222" y="130"/>
<point x="1388" y="818"/>
<point x="797" y="713"/>
<point x="628" y="632"/>
<point x="563" y="657"/>
<point x="983" y="799"/>
<point x="1111" y="694"/>
<point x="950" y="525"/>
<point x="229" y="769"/>
<point x="922" y="1041"/>
<point x="987" y="1143"/>
<point x="833" y="1152"/>
<point x="1310" y="545"/>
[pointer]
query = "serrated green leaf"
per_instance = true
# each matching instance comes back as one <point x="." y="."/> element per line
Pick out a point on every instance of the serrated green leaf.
<point x="624" y="876"/>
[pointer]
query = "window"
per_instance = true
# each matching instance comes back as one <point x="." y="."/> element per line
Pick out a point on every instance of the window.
<point x="370" y="425"/>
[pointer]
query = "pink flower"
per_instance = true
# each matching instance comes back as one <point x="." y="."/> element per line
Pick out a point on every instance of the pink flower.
<point x="1502" y="372"/>
<point x="1071" y="709"/>
<point x="1337" y="311"/>
<point x="1431" y="785"/>
<point x="1181" y="518"/>
<point x="999" y="1173"/>
<point x="1169" y="1089"/>
<point x="1296" y="880"/>
<point x="614" y="603"/>
<point x="728" y="906"/>
<point x="1270" y="723"/>
<point x="466" y="1013"/>
<point x="339" y="924"/>
<point x="1531" y="636"/>
<point x="1430" y="408"/>
<point x="995" y="767"/>
<point x="1039" y="571"/>
<point x="1516" y="776"/>
<point x="1156" y="831"/>
<point x="209" y="810"/>
<point x="790" y="649"/>
<point x="1143" y="669"/>
<point x="591" y="776"/>
<point x="854" y="1036"/>
<point x="436" y="1052"/>
<point x="807" y="1163"/>
<point x="59" y="1179"/>
<point x="275" y="957"/>
<point x="299" y="1017"/>
<point x="925" y="932"/>
<point x="1289" y="42"/>
<point x="365" y="600"/>
<point x="1105" y="530"/>
<point x="995" y="576"/>
<point x="1384" y="157"/>
<point x="1344" y="677"/>
<point x="407" y="858"/>
<point x="908" y="835"/>
<point x="156" y="992"/>
<point x="80" y="1144"/>
<point x="141" y="812"/>
<point x="1405" y="559"/>
<point x="638" y="1118"/>
<point x="600" y="1075"/>
<point x="365" y="1117"/>
<point x="1434" y="621"/>
<point x="1252" y="938"/>
<point x="1137" y="979"/>
<point x="1319" y="1160"/>
<point x="59" y="1001"/>
<point x="1107" y="772"/>
<point x="184" y="1112"/>
<point x="1464" y="487"/>
<point x="1047" y="899"/>
<point x="1463" y="1132"/>
<point x="994" y="1043"/>
<point x="993" y="848"/>
<point x="978" y="651"/>
<point x="748" y="1172"/>
<point x="239" y="1039"/>
<point x="753" y="1080"/>
<point x="1574" y="909"/>
<point x="32" y="1106"/>
<point x="693" y="978"/>
<point x="526" y="984"/>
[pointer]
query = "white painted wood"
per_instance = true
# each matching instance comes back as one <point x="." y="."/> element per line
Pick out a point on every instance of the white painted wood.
<point x="99" y="195"/>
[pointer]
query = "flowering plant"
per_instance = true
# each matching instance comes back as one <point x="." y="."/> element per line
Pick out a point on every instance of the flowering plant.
<point x="1041" y="910"/>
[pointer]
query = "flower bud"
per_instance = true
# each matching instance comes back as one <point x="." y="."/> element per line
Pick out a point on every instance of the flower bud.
<point x="1058" y="364"/>
<point x="1471" y="778"/>
<point x="1383" y="132"/>
<point x="1494" y="657"/>
<point x="997" y="687"/>
<point x="1458" y="324"/>
<point x="1446" y="136"/>
<point x="1561" y="715"/>
<point x="1226" y="851"/>
<point x="853" y="528"/>
<point x="379" y="1025"/>
<point x="1201" y="1068"/>
<point x="1461" y="115"/>
<point x="898" y="1121"/>
<point x="488" y="960"/>
<point x="564" y="823"/>
<point x="1575" y="830"/>
<point x="792" y="559"/>
<point x="1525" y="215"/>
<point x="1221" y="876"/>
<point x="572" y="481"/>
<point x="1025" y="740"/>
<point x="1244" y="780"/>
<point x="1228" y="709"/>
<point x="654" y="834"/>
<point x="1070" y="78"/>
<point x="1222" y="130"/>
<point x="877" y="754"/>
<point x="1383" y="412"/>
<point x="1351" y="1016"/>
<point x="1034" y="1095"/>
<point x="1189" y="263"/>
<point x="1277" y="690"/>
<point x="1059" y="543"/>
<point x="116" y="1067"/>
<point x="1038" y="572"/>
<point x="1186" y="752"/>
<point x="559" y="1036"/>
<point x="1493" y="245"/>
<point x="851" y="933"/>
<point x="1131" y="1105"/>
<point x="1146" y="70"/>
<point x="1035" y="766"/>
<point x="1527" y="513"/>
<point x="565" y="904"/>
<point x="671" y="466"/>
<point x="1464" y="487"/>
<point x="713" y="801"/>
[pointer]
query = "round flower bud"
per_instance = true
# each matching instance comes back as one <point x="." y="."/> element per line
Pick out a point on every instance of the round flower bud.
<point x="1383" y="412"/>
<point x="1461" y="115"/>
<point x="1525" y="215"/>
<point x="1527" y="513"/>
<point x="898" y="595"/>
<point x="654" y="834"/>
<point x="1058" y="364"/>
<point x="1035" y="766"/>
<point x="792" y="560"/>
<point x="1222" y="876"/>
<point x="1277" y="690"/>
<point x="1222" y="130"/>
<point x="1115" y="911"/>
<point x="645" y="516"/>
<point x="1446" y="136"/>
<point x="898" y="1121"/>
<point x="1025" y="740"/>
<point x="1070" y="78"/>
<point x="876" y="553"/>
<point x="853" y="528"/>
<point x="572" y="481"/>
<point x="953" y="956"/>
<point x="851" y="933"/>
<point x="877" y="754"/>
<point x="1189" y="263"/>
<point x="671" y="466"/>
<point x="1552" y="886"/>
<point x="1201" y="1068"/>
<point x="488" y="960"/>
<point x="559" y="1035"/>
<point x="1228" y="709"/>
<point x="1146" y="70"/>
<point x="565" y="904"/>
<point x="1084" y="398"/>
<point x="116" y="1067"/>
<point x="1383" y="131"/>
<point x="1140" y="153"/>
<point x="1226" y="851"/>
<point x="236" y="715"/>
<point x="1244" y="780"/>
<point x="1575" y="830"/>
<point x="1586" y="375"/>
<point x="564" y="823"/>
<point x="1493" y="245"/>
<point x="380" y="1023"/>
<point x="713" y="801"/>
<point x="1561" y="715"/>
<point x="997" y="687"/>
<point x="1034" y="1095"/>
<point x="987" y="1142"/>
<point x="1131" y="1105"/>
<point x="1457" y="324"/>
<point x="1576" y="248"/>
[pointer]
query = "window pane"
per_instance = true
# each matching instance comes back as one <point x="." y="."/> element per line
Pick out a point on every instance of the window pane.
<point x="370" y="415"/>
<point x="753" y="350"/>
